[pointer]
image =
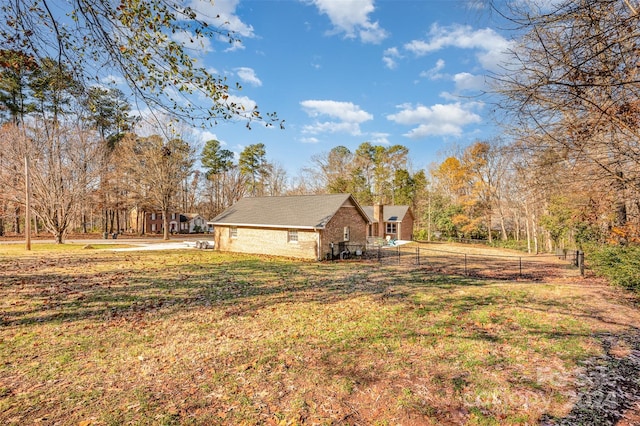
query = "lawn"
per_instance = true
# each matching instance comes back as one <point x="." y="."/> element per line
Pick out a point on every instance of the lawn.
<point x="91" y="336"/>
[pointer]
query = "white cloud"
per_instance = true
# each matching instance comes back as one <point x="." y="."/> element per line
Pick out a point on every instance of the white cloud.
<point x="235" y="45"/>
<point x="378" y="138"/>
<point x="346" y="111"/>
<point x="222" y="13"/>
<point x="199" y="44"/>
<point x="346" y="116"/>
<point x="389" y="57"/>
<point x="242" y="101"/>
<point x="389" y="62"/>
<point x="248" y="75"/>
<point x="437" y="120"/>
<point x="351" y="17"/>
<point x="112" y="80"/>
<point x="332" y="127"/>
<point x="434" y="73"/>
<point x="478" y="4"/>
<point x="310" y="140"/>
<point x="491" y="46"/>
<point x="467" y="81"/>
<point x="202" y="136"/>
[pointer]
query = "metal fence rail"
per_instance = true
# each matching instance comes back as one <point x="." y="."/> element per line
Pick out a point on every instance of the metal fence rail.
<point x="482" y="265"/>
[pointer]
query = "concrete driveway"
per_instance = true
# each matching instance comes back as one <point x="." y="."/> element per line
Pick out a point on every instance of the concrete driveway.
<point x="158" y="246"/>
<point x="138" y="244"/>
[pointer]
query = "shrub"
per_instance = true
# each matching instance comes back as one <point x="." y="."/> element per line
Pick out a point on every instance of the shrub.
<point x="421" y="235"/>
<point x="620" y="265"/>
<point x="520" y="245"/>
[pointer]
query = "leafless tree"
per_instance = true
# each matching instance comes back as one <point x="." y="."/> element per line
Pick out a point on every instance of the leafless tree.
<point x="574" y="81"/>
<point x="156" y="167"/>
<point x="63" y="169"/>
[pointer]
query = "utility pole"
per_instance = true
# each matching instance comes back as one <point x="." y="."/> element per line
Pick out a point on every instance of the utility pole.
<point x="27" y="213"/>
<point x="429" y="215"/>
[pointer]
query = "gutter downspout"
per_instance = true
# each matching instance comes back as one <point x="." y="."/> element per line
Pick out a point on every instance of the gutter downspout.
<point x="318" y="244"/>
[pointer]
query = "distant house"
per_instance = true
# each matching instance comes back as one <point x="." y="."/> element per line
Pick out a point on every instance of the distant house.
<point x="305" y="226"/>
<point x="183" y="223"/>
<point x="395" y="222"/>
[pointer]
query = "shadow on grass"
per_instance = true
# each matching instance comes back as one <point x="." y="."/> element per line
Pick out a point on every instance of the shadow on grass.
<point x="426" y="307"/>
<point x="609" y="385"/>
<point x="40" y="291"/>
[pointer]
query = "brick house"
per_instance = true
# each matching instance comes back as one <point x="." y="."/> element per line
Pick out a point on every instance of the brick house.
<point x="183" y="223"/>
<point x="303" y="226"/>
<point x="395" y="222"/>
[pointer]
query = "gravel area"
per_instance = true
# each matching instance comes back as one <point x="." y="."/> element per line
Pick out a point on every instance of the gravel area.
<point x="609" y="385"/>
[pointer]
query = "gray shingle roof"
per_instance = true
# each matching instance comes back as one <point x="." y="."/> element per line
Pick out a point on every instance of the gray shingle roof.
<point x="299" y="211"/>
<point x="388" y="213"/>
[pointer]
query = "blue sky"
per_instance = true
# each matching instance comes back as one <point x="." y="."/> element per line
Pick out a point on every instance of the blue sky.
<point x="342" y="72"/>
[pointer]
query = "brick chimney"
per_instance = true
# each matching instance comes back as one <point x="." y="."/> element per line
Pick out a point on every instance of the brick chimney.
<point x="378" y="216"/>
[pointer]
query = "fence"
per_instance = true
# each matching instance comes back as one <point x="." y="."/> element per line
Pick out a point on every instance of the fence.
<point x="479" y="264"/>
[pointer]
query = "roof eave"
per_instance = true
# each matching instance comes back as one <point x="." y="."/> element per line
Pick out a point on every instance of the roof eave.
<point x="262" y="225"/>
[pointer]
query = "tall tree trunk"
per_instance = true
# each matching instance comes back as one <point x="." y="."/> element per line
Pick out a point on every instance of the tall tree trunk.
<point x="503" y="229"/>
<point x="112" y="215"/>
<point x="534" y="228"/>
<point x="620" y="206"/>
<point x="16" y="222"/>
<point x="527" y="227"/>
<point x="165" y="224"/>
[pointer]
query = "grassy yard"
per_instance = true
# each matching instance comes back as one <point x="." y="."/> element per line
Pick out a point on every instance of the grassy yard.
<point x="91" y="336"/>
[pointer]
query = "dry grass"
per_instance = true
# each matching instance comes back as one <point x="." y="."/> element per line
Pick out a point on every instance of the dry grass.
<point x="197" y="337"/>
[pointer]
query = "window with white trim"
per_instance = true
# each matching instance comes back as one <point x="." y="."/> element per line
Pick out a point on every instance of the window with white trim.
<point x="346" y="233"/>
<point x="233" y="232"/>
<point x="153" y="216"/>
<point x="392" y="228"/>
<point x="292" y="236"/>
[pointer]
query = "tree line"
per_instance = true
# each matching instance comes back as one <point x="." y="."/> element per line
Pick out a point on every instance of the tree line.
<point x="565" y="171"/>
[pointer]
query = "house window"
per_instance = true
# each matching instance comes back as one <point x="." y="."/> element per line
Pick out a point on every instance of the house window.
<point x="173" y="216"/>
<point x="153" y="216"/>
<point x="346" y="233"/>
<point x="392" y="228"/>
<point x="154" y="228"/>
<point x="293" y="236"/>
<point x="233" y="232"/>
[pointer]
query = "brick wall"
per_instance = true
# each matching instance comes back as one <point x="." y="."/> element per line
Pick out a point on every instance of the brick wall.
<point x="274" y="241"/>
<point x="271" y="241"/>
<point x="158" y="222"/>
<point x="347" y="215"/>
<point x="406" y="228"/>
